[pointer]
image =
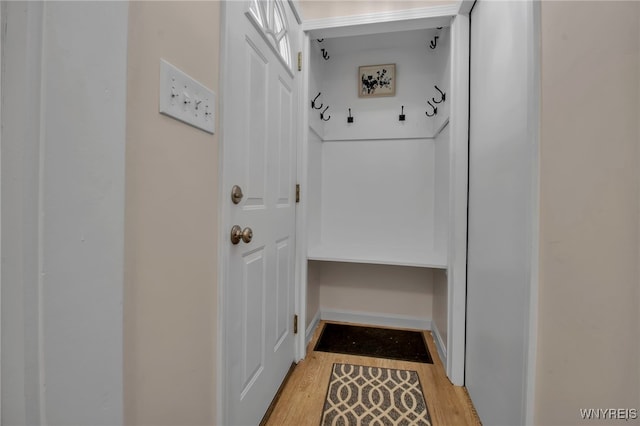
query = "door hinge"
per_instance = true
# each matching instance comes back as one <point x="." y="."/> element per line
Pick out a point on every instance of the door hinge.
<point x="295" y="324"/>
<point x="299" y="61"/>
<point x="297" y="192"/>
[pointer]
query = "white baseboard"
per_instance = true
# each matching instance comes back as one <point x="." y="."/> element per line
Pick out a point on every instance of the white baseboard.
<point x="312" y="328"/>
<point x="442" y="348"/>
<point x="370" y="318"/>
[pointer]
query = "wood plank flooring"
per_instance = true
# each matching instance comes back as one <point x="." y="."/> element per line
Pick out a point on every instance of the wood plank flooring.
<point x="302" y="398"/>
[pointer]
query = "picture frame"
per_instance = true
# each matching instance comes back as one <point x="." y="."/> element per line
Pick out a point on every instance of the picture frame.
<point x="376" y="80"/>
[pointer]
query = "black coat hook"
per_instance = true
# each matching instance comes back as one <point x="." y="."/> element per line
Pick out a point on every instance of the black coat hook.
<point x="401" y="117"/>
<point x="320" y="40"/>
<point x="349" y="118"/>
<point x="325" y="54"/>
<point x="435" y="110"/>
<point x="313" y="102"/>
<point x="443" y="96"/>
<point x="322" y="114"/>
<point x="434" y="42"/>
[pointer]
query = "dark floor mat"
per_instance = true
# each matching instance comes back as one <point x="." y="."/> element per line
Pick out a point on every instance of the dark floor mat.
<point x="375" y="342"/>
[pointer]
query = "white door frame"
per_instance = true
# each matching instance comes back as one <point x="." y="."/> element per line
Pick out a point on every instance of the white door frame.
<point x="458" y="197"/>
<point x="221" y="362"/>
<point x="20" y="146"/>
<point x="408" y="20"/>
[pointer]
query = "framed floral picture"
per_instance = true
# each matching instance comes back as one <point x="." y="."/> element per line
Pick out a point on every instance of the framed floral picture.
<point x="377" y="80"/>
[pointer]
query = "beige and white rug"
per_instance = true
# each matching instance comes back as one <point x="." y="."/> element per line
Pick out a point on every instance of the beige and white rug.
<point x="361" y="395"/>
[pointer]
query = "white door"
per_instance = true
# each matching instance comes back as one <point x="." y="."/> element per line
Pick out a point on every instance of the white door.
<point x="259" y="152"/>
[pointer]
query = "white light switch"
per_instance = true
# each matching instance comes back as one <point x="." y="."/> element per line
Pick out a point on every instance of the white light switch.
<point x="185" y="99"/>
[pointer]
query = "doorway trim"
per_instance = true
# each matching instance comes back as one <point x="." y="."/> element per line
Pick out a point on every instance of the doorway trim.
<point x="458" y="200"/>
<point x="20" y="281"/>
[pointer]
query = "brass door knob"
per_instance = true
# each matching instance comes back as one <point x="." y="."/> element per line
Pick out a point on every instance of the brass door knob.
<point x="247" y="235"/>
<point x="238" y="234"/>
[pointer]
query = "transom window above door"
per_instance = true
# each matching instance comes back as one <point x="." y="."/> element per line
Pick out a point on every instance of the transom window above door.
<point x="270" y="16"/>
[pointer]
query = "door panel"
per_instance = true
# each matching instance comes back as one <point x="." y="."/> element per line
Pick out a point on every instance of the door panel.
<point x="253" y="337"/>
<point x="256" y="69"/>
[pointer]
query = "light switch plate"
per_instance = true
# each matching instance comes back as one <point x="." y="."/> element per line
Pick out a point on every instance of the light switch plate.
<point x="185" y="99"/>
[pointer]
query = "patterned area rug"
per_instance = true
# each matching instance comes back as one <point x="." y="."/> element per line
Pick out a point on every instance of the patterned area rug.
<point x="360" y="395"/>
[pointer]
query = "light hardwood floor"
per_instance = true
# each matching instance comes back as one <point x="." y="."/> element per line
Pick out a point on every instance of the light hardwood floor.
<point x="302" y="398"/>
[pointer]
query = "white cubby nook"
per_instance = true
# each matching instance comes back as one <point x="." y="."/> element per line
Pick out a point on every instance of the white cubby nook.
<point x="378" y="188"/>
<point x="384" y="202"/>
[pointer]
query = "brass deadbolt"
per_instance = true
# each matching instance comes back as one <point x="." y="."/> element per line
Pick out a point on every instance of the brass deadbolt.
<point x="236" y="194"/>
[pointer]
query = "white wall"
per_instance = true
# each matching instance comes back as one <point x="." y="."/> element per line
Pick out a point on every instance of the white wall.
<point x="313" y="197"/>
<point x="317" y="66"/>
<point x="442" y="78"/>
<point x="70" y="246"/>
<point x="440" y="308"/>
<point x="377" y="118"/>
<point x="379" y="194"/>
<point x="442" y="147"/>
<point x="502" y="155"/>
<point x="171" y="284"/>
<point x="441" y="235"/>
<point x="373" y="186"/>
<point x="313" y="291"/>
<point x="83" y="133"/>
<point x="381" y="290"/>
<point x="588" y="322"/>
